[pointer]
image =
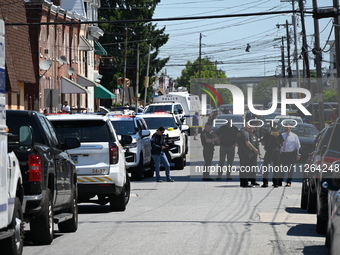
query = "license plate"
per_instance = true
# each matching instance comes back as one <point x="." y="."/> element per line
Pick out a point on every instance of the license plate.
<point x="74" y="159"/>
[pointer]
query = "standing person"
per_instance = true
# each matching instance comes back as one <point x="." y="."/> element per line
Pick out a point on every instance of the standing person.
<point x="158" y="146"/>
<point x="207" y="140"/>
<point x="227" y="136"/>
<point x="195" y="123"/>
<point x="248" y="149"/>
<point x="66" y="108"/>
<point x="290" y="153"/>
<point x="272" y="142"/>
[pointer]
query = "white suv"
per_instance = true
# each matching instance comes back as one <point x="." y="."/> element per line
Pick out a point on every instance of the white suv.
<point x="137" y="153"/>
<point x="173" y="108"/>
<point x="176" y="133"/>
<point x="100" y="160"/>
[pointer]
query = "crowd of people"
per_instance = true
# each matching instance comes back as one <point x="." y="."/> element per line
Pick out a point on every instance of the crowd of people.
<point x="281" y="150"/>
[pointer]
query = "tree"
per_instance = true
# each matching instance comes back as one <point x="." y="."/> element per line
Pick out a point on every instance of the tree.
<point x="330" y="95"/>
<point x="199" y="69"/>
<point x="136" y="33"/>
<point x="262" y="92"/>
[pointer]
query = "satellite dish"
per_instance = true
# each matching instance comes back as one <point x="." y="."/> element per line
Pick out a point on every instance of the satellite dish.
<point x="70" y="71"/>
<point x="45" y="64"/>
<point x="62" y="60"/>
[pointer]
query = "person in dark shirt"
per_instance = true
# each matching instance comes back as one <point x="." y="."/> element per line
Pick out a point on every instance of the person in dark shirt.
<point x="248" y="149"/>
<point x="272" y="142"/>
<point x="158" y="146"/>
<point x="208" y="139"/>
<point x="227" y="136"/>
<point x="195" y="123"/>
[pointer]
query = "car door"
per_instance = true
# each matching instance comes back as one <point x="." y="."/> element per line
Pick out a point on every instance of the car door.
<point x="145" y="140"/>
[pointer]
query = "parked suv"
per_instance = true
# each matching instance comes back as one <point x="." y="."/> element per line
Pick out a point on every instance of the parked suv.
<point x="311" y="178"/>
<point x="176" y="134"/>
<point x="173" y="108"/>
<point x="49" y="176"/>
<point x="100" y="160"/>
<point x="330" y="154"/>
<point x="137" y="153"/>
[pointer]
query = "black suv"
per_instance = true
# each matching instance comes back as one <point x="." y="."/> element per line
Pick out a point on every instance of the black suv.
<point x="49" y="176"/>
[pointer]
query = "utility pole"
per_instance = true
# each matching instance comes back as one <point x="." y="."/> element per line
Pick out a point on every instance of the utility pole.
<point x="125" y="59"/>
<point x="317" y="52"/>
<point x="147" y="76"/>
<point x="296" y="58"/>
<point x="304" y="46"/>
<point x="137" y="78"/>
<point x="200" y="56"/>
<point x="337" y="50"/>
<point x="283" y="62"/>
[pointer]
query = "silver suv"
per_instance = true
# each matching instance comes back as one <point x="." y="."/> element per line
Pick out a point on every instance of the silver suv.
<point x="100" y="160"/>
<point x="137" y="153"/>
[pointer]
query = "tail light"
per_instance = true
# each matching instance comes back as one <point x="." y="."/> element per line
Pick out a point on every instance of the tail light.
<point x="114" y="153"/>
<point x="329" y="160"/>
<point x="34" y="168"/>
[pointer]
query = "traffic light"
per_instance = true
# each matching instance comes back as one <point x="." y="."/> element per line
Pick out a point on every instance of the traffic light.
<point x="120" y="82"/>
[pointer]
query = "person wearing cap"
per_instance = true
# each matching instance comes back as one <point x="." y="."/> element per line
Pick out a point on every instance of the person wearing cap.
<point x="158" y="145"/>
<point x="272" y="142"/>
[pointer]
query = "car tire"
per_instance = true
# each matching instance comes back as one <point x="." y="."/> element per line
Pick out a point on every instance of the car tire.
<point x="118" y="202"/>
<point x="137" y="172"/>
<point x="71" y="225"/>
<point x="311" y="202"/>
<point x="42" y="226"/>
<point x="150" y="173"/>
<point x="304" y="194"/>
<point x="321" y="225"/>
<point x="13" y="245"/>
<point x="180" y="163"/>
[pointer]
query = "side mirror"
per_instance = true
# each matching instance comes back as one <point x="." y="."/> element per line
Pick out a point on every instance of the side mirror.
<point x="71" y="143"/>
<point x="26" y="140"/>
<point x="145" y="133"/>
<point x="125" y="139"/>
<point x="185" y="128"/>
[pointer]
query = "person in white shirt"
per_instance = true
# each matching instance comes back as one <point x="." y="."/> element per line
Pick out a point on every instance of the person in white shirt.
<point x="289" y="153"/>
<point x="66" y="108"/>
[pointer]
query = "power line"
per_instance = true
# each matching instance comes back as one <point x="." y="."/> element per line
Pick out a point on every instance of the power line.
<point x="155" y="20"/>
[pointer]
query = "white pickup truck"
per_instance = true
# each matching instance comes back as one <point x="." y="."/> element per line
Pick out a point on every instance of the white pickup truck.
<point x="11" y="190"/>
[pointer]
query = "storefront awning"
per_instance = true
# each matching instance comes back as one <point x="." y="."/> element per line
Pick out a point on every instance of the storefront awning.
<point x="86" y="82"/>
<point x="99" y="49"/>
<point x="101" y="92"/>
<point x="70" y="87"/>
<point x="84" y="44"/>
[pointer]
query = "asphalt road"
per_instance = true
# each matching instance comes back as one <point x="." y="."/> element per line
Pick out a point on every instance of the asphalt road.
<point x="190" y="216"/>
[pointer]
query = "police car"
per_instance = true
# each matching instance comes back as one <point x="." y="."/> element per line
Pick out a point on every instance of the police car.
<point x="176" y="136"/>
<point x="137" y="153"/>
<point x="100" y="160"/>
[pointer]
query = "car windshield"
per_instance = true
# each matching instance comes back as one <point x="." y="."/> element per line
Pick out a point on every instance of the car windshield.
<point x="158" y="108"/>
<point x="124" y="127"/>
<point x="84" y="130"/>
<point x="155" y="123"/>
<point x="305" y="131"/>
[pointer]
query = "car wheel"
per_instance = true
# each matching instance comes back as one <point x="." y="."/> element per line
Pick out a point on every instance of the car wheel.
<point x="304" y="194"/>
<point x="118" y="202"/>
<point x="311" y="202"/>
<point x="71" y="225"/>
<point x="137" y="172"/>
<point x="321" y="225"/>
<point x="42" y="226"/>
<point x="14" y="244"/>
<point x="150" y="173"/>
<point x="179" y="163"/>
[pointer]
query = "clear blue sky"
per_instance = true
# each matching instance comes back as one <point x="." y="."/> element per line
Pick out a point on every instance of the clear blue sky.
<point x="224" y="40"/>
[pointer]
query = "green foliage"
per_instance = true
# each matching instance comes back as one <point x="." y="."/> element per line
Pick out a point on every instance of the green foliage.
<point x="205" y="69"/>
<point x="137" y="33"/>
<point x="262" y="92"/>
<point x="330" y="95"/>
